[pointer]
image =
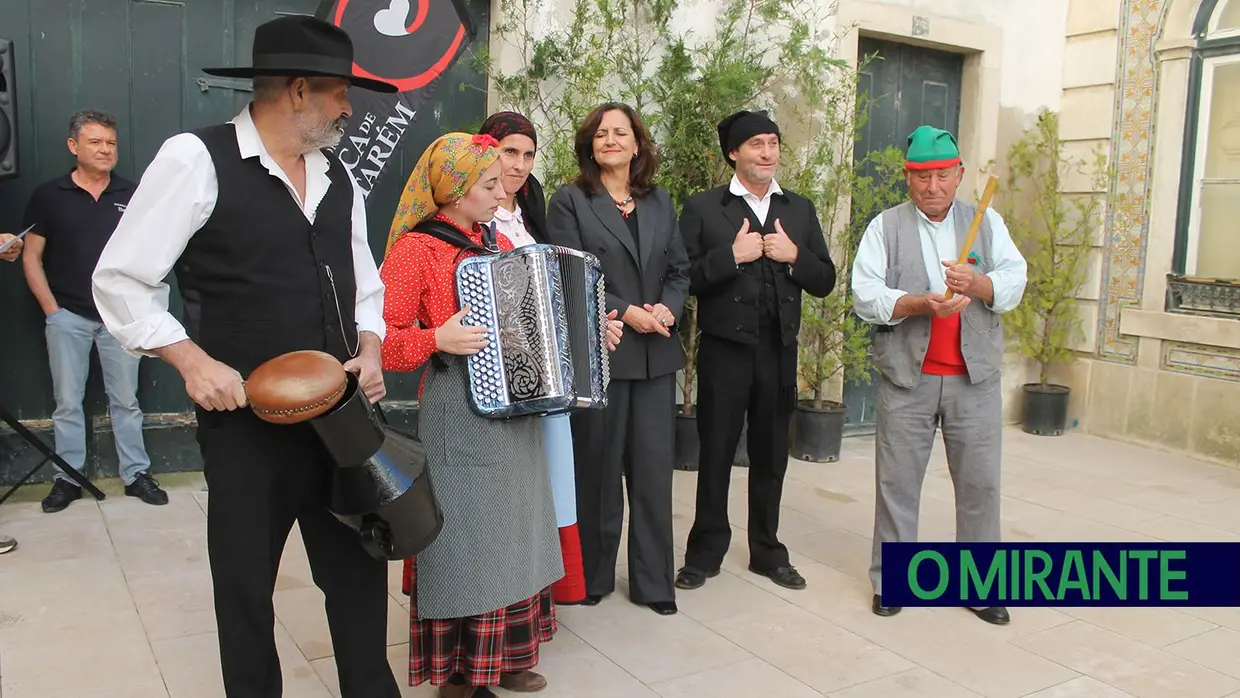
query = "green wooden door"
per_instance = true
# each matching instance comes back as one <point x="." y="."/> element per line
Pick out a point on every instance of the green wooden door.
<point x="141" y="60"/>
<point x="907" y="86"/>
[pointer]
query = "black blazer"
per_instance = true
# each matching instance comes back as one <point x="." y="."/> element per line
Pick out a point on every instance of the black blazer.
<point x="727" y="293"/>
<point x="658" y="272"/>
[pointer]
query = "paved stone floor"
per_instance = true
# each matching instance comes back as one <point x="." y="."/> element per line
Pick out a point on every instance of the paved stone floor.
<point x="113" y="599"/>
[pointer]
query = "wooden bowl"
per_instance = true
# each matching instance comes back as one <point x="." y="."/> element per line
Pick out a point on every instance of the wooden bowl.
<point x="295" y="387"/>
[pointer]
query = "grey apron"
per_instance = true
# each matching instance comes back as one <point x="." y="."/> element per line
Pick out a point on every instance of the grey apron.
<point x="499" y="543"/>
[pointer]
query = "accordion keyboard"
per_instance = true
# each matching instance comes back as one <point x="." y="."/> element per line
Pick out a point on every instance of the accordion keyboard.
<point x="544" y="308"/>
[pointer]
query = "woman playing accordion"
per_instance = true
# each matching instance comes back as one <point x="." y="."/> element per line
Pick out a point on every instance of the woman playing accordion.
<point x="480" y="599"/>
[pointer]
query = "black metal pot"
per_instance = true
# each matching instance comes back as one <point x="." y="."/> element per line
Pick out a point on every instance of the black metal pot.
<point x="390" y="499"/>
<point x="380" y="486"/>
<point x="352" y="430"/>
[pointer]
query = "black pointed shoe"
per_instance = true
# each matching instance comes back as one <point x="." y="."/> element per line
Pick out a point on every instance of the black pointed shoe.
<point x="996" y="615"/>
<point x="147" y="489"/>
<point x="693" y="578"/>
<point x="663" y="608"/>
<point x="589" y="600"/>
<point x="881" y="610"/>
<point x="62" y="495"/>
<point x="786" y="577"/>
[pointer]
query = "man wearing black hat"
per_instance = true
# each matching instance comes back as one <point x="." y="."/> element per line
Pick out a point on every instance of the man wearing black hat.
<point x="267" y="235"/>
<point x="754" y="248"/>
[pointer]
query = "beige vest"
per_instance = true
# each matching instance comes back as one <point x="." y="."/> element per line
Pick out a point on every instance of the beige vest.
<point x="899" y="350"/>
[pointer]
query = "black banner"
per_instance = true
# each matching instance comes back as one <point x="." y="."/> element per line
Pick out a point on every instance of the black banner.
<point x="409" y="43"/>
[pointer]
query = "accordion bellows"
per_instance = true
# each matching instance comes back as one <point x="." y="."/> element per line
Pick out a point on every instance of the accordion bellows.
<point x="545" y="306"/>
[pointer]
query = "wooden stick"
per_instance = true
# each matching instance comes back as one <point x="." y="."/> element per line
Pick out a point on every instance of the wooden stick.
<point x="991" y="185"/>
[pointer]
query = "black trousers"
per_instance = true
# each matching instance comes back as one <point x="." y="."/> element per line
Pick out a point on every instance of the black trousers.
<point x="631" y="443"/>
<point x="735" y="379"/>
<point x="261" y="478"/>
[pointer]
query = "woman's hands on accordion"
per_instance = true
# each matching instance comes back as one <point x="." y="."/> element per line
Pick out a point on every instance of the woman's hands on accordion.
<point x="454" y="338"/>
<point x="615" y="329"/>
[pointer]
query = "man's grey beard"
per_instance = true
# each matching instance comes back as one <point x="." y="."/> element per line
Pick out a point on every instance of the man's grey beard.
<point x="316" y="134"/>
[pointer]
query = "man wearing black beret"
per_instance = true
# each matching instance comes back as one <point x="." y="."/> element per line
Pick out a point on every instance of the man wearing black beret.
<point x="754" y="248"/>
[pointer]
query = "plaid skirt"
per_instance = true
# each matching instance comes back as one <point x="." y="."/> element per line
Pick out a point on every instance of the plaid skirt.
<point x="478" y="647"/>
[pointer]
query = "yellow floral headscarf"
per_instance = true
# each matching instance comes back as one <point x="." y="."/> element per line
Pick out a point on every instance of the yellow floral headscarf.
<point x="444" y="173"/>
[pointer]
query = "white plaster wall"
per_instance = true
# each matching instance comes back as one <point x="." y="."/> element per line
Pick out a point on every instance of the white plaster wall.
<point x="1032" y="36"/>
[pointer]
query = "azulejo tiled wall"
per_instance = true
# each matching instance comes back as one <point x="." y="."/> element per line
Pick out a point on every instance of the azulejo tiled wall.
<point x="1127" y="230"/>
<point x="1198" y="360"/>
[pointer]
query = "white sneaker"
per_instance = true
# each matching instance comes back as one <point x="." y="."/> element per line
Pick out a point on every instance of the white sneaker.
<point x="7" y="544"/>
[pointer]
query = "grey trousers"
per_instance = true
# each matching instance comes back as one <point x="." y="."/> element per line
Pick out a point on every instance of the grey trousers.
<point x="971" y="418"/>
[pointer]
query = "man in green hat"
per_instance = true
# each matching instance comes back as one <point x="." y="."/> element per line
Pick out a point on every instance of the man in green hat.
<point x="940" y="359"/>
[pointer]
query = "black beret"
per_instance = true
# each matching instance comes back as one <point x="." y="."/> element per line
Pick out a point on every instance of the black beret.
<point x="740" y="127"/>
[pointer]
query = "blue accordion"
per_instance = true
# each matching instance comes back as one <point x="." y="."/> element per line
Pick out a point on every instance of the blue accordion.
<point x="546" y="309"/>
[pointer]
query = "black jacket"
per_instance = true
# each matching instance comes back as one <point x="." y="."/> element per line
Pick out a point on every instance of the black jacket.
<point x="593" y="224"/>
<point x="728" y="294"/>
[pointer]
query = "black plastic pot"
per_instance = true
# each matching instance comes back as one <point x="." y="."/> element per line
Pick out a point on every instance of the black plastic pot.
<point x="1045" y="409"/>
<point x="687" y="444"/>
<point x="817" y="433"/>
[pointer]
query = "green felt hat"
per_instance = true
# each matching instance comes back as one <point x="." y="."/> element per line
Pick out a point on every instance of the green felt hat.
<point x="931" y="148"/>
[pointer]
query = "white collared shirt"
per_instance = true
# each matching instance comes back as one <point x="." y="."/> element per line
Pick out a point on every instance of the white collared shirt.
<point x="174" y="199"/>
<point x="511" y="224"/>
<point x="760" y="207"/>
<point x="874" y="301"/>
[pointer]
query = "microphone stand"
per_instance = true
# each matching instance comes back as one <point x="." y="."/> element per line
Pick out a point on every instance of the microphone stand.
<point x="48" y="454"/>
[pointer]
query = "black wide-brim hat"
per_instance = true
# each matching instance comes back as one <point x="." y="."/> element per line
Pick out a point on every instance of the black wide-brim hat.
<point x="301" y="46"/>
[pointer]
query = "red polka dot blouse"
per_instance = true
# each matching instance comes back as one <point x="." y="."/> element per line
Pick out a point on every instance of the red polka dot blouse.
<point x="420" y="294"/>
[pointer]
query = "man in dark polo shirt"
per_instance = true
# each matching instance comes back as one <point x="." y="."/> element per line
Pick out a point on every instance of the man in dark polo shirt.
<point x="73" y="218"/>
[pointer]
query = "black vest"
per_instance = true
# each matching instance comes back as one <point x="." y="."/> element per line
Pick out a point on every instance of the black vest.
<point x="257" y="279"/>
<point x="764" y="269"/>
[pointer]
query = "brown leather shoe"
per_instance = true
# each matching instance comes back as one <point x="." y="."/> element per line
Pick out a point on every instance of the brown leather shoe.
<point x="523" y="682"/>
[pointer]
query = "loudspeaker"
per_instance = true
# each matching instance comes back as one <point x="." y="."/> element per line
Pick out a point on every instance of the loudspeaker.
<point x="8" y="111"/>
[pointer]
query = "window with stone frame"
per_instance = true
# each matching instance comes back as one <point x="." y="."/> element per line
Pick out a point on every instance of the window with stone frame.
<point x="1206" y="268"/>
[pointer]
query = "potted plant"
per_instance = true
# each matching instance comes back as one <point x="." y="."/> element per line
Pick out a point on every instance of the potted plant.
<point x="830" y="339"/>
<point x="1054" y="233"/>
<point x="833" y="341"/>
<point x="847" y="192"/>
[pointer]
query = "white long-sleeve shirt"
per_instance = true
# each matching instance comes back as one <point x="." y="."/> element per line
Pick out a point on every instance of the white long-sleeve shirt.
<point x="511" y="224"/>
<point x="760" y="207"/>
<point x="174" y="199"/>
<point x="874" y="301"/>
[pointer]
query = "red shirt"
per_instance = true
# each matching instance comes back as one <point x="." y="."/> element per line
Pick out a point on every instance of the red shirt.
<point x="420" y="294"/>
<point x="943" y="355"/>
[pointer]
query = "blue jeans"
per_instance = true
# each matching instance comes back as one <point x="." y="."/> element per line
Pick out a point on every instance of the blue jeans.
<point x="69" y="340"/>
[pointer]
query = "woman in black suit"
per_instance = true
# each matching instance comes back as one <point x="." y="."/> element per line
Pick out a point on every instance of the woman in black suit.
<point x="614" y="212"/>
